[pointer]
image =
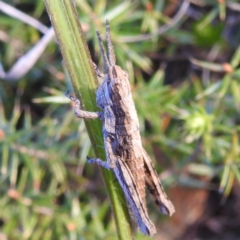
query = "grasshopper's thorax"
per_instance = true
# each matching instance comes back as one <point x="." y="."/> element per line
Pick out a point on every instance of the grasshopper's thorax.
<point x="114" y="88"/>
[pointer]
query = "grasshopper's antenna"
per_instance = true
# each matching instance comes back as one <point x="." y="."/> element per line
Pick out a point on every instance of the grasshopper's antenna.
<point x="111" y="54"/>
<point x="105" y="60"/>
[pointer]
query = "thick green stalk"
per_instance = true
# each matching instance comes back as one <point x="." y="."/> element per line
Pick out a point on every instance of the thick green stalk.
<point x="77" y="58"/>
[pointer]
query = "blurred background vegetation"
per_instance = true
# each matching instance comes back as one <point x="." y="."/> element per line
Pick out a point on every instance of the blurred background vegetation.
<point x="182" y="58"/>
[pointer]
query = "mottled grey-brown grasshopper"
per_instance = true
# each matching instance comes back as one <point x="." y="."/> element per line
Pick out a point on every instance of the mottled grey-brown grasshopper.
<point x="123" y="146"/>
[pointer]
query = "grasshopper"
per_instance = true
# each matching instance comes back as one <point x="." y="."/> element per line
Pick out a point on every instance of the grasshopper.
<point x="125" y="154"/>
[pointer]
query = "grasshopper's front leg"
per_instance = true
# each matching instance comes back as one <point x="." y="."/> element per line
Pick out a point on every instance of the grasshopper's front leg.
<point x="81" y="113"/>
<point x="99" y="162"/>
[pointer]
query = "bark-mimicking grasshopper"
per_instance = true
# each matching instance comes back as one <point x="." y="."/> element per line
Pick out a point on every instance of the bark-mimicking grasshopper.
<point x="125" y="155"/>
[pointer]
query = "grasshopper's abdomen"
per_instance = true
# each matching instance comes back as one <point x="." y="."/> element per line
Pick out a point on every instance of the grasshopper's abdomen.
<point x="128" y="143"/>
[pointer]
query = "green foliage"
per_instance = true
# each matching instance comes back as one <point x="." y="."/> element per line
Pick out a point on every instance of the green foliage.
<point x="207" y="33"/>
<point x="46" y="189"/>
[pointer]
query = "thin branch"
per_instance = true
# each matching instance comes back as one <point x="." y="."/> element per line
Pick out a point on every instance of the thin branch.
<point x="13" y="12"/>
<point x="26" y="62"/>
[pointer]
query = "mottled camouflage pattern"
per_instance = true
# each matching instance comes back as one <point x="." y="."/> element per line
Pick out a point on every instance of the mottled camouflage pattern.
<point x="125" y="155"/>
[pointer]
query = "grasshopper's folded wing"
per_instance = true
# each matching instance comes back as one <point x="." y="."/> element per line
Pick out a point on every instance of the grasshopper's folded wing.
<point x="133" y="197"/>
<point x="155" y="187"/>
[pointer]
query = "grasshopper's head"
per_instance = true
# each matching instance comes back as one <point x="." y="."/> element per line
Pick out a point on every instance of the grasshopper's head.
<point x="116" y="85"/>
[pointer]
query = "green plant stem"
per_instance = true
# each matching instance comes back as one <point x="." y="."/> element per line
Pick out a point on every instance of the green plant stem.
<point x="77" y="61"/>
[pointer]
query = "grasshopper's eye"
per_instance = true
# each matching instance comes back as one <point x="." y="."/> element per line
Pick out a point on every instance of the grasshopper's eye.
<point x="125" y="73"/>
